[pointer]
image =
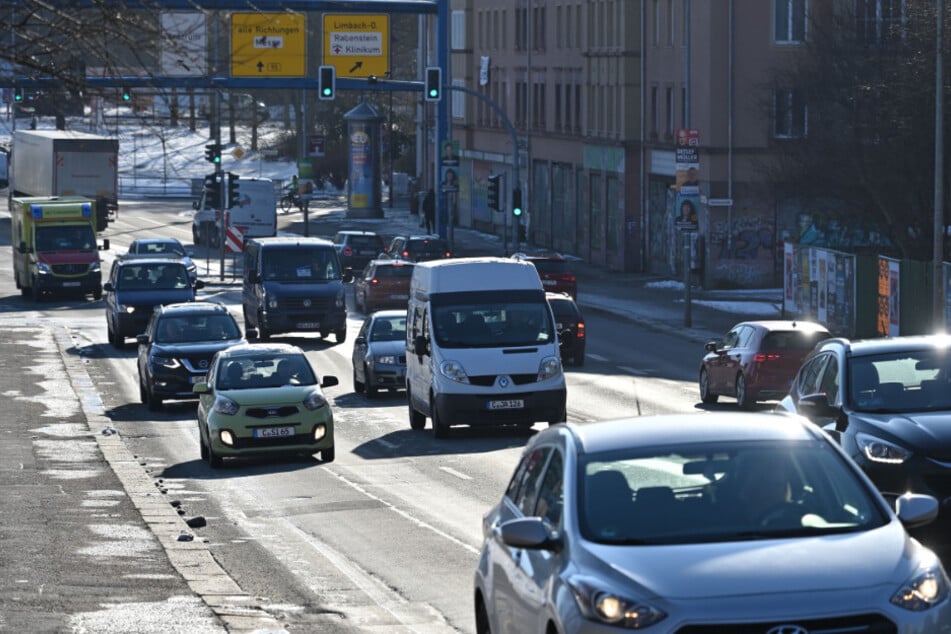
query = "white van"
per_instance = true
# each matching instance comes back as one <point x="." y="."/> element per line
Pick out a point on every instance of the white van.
<point x="255" y="214"/>
<point x="481" y="346"/>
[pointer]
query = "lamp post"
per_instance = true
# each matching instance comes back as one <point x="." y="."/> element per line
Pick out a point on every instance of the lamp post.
<point x="938" y="242"/>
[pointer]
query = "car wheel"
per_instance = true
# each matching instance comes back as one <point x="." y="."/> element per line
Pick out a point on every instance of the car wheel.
<point x="196" y="236"/>
<point x="341" y="335"/>
<point x="143" y="394"/>
<point x="214" y="240"/>
<point x="481" y="618"/>
<point x="37" y="294"/>
<point x="440" y="429"/>
<point x="263" y="333"/>
<point x="362" y="305"/>
<point x="97" y="293"/>
<point x="416" y="420"/>
<point x="372" y="390"/>
<point x="328" y="454"/>
<point x="117" y="340"/>
<point x="214" y="460"/>
<point x="742" y="393"/>
<point x="155" y="403"/>
<point x="358" y="386"/>
<point x="706" y="395"/>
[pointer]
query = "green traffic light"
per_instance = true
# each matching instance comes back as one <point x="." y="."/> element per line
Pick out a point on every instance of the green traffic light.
<point x="433" y="93"/>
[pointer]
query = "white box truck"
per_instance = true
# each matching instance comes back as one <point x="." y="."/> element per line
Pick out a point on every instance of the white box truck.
<point x="255" y="214"/>
<point x="481" y="346"/>
<point x="48" y="163"/>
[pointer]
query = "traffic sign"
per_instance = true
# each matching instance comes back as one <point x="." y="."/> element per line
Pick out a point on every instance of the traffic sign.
<point x="268" y="45"/>
<point x="234" y="239"/>
<point x="357" y="45"/>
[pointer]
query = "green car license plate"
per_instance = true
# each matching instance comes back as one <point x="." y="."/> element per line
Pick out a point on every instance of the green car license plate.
<point x="273" y="432"/>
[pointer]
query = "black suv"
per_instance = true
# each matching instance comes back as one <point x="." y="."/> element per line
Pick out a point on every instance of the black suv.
<point x="570" y="326"/>
<point x="417" y="248"/>
<point x="136" y="286"/>
<point x="356" y="248"/>
<point x="176" y="349"/>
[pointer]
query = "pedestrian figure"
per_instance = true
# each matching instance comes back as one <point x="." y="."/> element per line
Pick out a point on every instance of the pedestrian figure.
<point x="429" y="211"/>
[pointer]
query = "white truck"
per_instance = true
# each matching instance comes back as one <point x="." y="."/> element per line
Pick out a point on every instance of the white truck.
<point x="48" y="163"/>
<point x="255" y="214"/>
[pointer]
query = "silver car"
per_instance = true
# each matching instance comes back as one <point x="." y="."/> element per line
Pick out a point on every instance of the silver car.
<point x="379" y="353"/>
<point x="725" y="522"/>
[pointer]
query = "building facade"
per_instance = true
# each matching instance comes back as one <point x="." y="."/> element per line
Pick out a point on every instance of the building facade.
<point x="598" y="92"/>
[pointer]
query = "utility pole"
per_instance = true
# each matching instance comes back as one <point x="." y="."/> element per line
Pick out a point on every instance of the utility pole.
<point x="938" y="243"/>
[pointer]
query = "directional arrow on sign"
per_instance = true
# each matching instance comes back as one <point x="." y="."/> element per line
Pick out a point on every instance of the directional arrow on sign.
<point x="356" y="67"/>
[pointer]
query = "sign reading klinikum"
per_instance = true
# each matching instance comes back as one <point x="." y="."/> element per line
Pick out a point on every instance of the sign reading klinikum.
<point x="268" y="45"/>
<point x="357" y="45"/>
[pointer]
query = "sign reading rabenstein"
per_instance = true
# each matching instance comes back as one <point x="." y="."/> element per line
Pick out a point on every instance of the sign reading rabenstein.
<point x="357" y="45"/>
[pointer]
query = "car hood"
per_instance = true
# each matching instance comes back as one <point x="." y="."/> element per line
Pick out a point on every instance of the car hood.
<point x="842" y="562"/>
<point x="925" y="433"/>
<point x="388" y="347"/>
<point x="264" y="396"/>
<point x="71" y="256"/>
<point x="195" y="347"/>
<point x="155" y="298"/>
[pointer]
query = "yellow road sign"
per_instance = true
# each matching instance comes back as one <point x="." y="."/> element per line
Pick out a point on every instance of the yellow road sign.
<point x="268" y="45"/>
<point x="357" y="45"/>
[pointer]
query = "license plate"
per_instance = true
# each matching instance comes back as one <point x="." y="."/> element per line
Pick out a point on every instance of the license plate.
<point x="549" y="282"/>
<point x="308" y="325"/>
<point x="70" y="283"/>
<point x="399" y="296"/>
<point x="514" y="403"/>
<point x="197" y="379"/>
<point x="273" y="432"/>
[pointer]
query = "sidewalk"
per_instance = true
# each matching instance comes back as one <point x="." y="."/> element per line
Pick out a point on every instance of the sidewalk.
<point x="84" y="525"/>
<point x="647" y="299"/>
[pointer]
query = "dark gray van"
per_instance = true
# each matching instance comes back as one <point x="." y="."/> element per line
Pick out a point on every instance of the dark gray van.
<point x="293" y="284"/>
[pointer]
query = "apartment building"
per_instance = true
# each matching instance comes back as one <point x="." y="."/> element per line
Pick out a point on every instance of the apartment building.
<point x="597" y="91"/>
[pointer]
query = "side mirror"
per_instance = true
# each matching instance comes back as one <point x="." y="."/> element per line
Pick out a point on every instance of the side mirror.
<point x="142" y="340"/>
<point x="22" y="248"/>
<point x="329" y="381"/>
<point x="108" y="287"/>
<point x="199" y="283"/>
<point x="419" y="345"/>
<point x="710" y="346"/>
<point x="347" y="275"/>
<point x="360" y="341"/>
<point x="814" y="406"/>
<point x="196" y="204"/>
<point x="251" y="333"/>
<point x="105" y="245"/>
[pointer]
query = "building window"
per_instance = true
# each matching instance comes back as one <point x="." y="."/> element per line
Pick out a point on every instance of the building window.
<point x="789" y="21"/>
<point x="558" y="121"/>
<point x="578" y="108"/>
<point x="458" y="30"/>
<point x="520" y="33"/>
<point x="539" y="29"/>
<point x="789" y="114"/>
<point x="657" y="23"/>
<point x="683" y="108"/>
<point x="655" y="123"/>
<point x="880" y="22"/>
<point x="670" y="22"/>
<point x="669" y="123"/>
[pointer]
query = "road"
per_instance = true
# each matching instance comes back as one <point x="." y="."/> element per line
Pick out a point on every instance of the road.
<point x="386" y="537"/>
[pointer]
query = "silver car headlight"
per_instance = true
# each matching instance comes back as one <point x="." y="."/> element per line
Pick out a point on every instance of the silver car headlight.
<point x="925" y="590"/>
<point x="599" y="604"/>
<point x="549" y="367"/>
<point x="224" y="405"/>
<point x="454" y="371"/>
<point x="878" y="450"/>
<point x="314" y="400"/>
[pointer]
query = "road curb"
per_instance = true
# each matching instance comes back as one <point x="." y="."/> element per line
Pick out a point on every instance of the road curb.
<point x="235" y="609"/>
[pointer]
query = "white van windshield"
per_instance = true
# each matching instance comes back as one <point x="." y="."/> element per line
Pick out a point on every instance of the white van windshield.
<point x="493" y="325"/>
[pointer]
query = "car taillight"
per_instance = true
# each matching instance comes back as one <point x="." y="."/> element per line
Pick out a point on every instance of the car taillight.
<point x="406" y="254"/>
<point x="762" y="357"/>
<point x="580" y="334"/>
<point x="347" y="250"/>
<point x="375" y="281"/>
<point x="448" y="254"/>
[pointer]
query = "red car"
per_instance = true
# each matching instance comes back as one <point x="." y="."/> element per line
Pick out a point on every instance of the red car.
<point x="555" y="272"/>
<point x="757" y="360"/>
<point x="383" y="284"/>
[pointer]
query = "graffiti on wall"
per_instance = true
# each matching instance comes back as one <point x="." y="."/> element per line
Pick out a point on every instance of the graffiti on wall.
<point x="819" y="230"/>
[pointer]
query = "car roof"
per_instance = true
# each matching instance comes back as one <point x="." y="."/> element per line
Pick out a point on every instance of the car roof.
<point x="885" y="345"/>
<point x="646" y="431"/>
<point x="395" y="312"/>
<point x="354" y="232"/>
<point x="290" y="241"/>
<point x="539" y="256"/>
<point x="156" y="241"/>
<point x="424" y="236"/>
<point x="552" y="295"/>
<point x="259" y="349"/>
<point x="389" y="262"/>
<point x="202" y="307"/>
<point x="149" y="258"/>
<point x="784" y="324"/>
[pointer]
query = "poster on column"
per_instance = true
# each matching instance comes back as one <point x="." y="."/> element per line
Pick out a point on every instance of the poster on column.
<point x="361" y="168"/>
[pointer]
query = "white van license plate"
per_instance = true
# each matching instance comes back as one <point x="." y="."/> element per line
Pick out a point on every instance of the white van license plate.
<point x="514" y="403"/>
<point x="273" y="432"/>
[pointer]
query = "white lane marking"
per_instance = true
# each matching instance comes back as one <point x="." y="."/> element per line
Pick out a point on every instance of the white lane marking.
<point x="596" y="357"/>
<point x="453" y="472"/>
<point x="634" y="371"/>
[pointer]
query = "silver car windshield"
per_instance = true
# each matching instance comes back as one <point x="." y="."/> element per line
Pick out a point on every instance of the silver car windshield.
<point x="907" y="381"/>
<point x="493" y="325"/>
<point x="731" y="492"/>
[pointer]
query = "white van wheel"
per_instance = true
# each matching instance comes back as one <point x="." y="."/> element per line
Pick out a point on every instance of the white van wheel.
<point x="416" y="420"/>
<point x="440" y="429"/>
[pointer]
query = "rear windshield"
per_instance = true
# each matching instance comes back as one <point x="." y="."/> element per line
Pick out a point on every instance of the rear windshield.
<point x="394" y="271"/>
<point x="563" y="309"/>
<point x="366" y="242"/>
<point x="552" y="267"/>
<point x="428" y="246"/>
<point x="793" y="340"/>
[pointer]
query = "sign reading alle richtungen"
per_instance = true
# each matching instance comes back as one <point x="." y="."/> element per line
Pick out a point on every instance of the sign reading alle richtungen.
<point x="357" y="45"/>
<point x="268" y="45"/>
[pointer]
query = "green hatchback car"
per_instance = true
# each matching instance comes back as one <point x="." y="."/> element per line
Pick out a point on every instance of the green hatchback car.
<point x="263" y="398"/>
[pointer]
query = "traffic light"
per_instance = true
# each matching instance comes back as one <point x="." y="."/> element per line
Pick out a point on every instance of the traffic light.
<point x="516" y="202"/>
<point x="17" y="95"/>
<point x="327" y="84"/>
<point x="126" y="94"/>
<point x="213" y="190"/>
<point x="494" y="191"/>
<point x="433" y="90"/>
<point x="213" y="153"/>
<point x="233" y="194"/>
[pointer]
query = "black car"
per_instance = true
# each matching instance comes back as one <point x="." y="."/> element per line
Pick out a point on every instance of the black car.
<point x="176" y="349"/>
<point x="136" y="286"/>
<point x="356" y="248"/>
<point x="570" y="325"/>
<point x="888" y="402"/>
<point x="417" y="248"/>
